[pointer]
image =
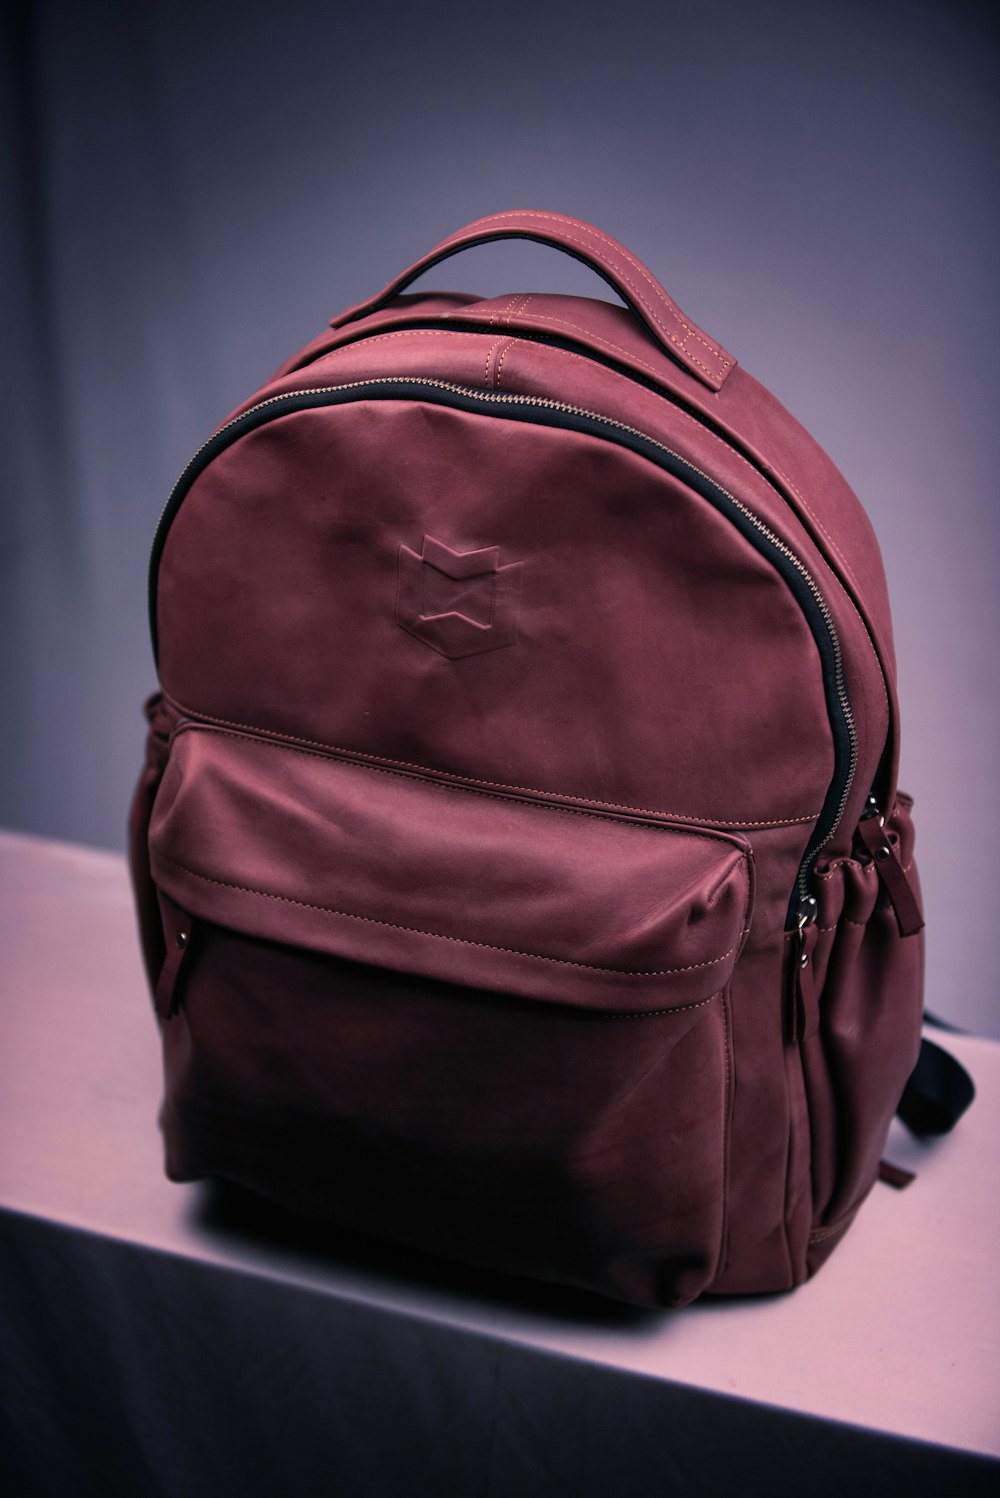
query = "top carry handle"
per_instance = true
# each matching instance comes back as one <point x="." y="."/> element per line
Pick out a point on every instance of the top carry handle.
<point x="640" y="290"/>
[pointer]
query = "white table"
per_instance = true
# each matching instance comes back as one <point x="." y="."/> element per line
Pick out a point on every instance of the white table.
<point x="177" y="1340"/>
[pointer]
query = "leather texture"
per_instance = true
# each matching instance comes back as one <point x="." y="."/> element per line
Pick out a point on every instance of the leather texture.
<point x="522" y="666"/>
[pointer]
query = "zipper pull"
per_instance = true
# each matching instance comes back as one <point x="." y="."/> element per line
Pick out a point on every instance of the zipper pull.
<point x="891" y="874"/>
<point x="805" y="1010"/>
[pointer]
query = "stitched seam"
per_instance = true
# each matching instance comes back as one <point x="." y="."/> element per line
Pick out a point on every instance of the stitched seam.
<point x="464" y="941"/>
<point x="512" y="315"/>
<point x="361" y="757"/>
<point x="652" y="1013"/>
<point x="397" y="333"/>
<point x="818" y="1234"/>
<point x="495" y="316"/>
<point x="497" y="343"/>
<point x="825" y="930"/>
<point x="503" y="311"/>
<point x="514" y="305"/>
<point x="616" y="348"/>
<point x="357" y="344"/>
<point x="866" y="869"/>
<point x="499" y="366"/>
<point x="517" y="306"/>
<point x="471" y="790"/>
<point x="670" y="310"/>
<point x="509" y="316"/>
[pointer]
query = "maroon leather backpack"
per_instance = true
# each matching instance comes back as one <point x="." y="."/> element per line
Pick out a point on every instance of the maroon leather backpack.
<point x="520" y="863"/>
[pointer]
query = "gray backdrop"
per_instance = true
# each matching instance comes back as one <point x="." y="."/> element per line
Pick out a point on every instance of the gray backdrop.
<point x="190" y="191"/>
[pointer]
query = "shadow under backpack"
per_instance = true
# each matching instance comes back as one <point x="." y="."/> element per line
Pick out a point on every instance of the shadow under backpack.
<point x="520" y="864"/>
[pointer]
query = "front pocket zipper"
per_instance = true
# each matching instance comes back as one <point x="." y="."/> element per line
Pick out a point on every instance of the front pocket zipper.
<point x="552" y="413"/>
<point x="418" y="872"/>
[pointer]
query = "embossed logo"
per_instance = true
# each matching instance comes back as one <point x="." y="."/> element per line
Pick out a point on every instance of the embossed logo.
<point x="458" y="602"/>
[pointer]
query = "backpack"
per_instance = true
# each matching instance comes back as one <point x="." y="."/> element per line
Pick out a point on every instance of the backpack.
<point x="520" y="866"/>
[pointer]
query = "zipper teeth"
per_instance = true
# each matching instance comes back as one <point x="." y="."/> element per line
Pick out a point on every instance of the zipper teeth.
<point x="504" y="398"/>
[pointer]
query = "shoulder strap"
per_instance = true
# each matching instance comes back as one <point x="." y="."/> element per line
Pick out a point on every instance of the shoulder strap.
<point x="937" y="1094"/>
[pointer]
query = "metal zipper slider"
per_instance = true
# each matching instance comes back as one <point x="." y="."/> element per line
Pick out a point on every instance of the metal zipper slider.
<point x="804" y="1011"/>
<point x="808" y="911"/>
<point x="891" y="874"/>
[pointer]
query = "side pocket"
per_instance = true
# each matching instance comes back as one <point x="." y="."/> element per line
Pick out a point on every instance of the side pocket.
<point x="147" y="907"/>
<point x="869" y="985"/>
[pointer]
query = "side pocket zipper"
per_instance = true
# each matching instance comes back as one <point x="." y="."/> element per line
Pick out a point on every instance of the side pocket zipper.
<point x="891" y="874"/>
<point x="803" y="1007"/>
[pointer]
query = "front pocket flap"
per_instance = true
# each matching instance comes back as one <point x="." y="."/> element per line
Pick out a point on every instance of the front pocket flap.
<point x="429" y="877"/>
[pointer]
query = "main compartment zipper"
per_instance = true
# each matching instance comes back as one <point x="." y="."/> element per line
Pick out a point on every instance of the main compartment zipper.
<point x="559" y="413"/>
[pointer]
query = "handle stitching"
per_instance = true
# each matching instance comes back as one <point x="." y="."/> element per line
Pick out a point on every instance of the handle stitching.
<point x="640" y="296"/>
<point x="499" y="367"/>
<point x="504" y="312"/>
<point x="616" y="250"/>
<point x="631" y="260"/>
<point x="617" y="348"/>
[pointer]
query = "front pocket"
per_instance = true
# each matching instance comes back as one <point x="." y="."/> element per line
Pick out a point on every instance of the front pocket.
<point x="483" y="1023"/>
